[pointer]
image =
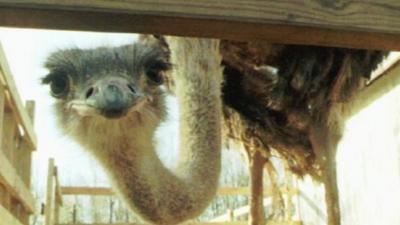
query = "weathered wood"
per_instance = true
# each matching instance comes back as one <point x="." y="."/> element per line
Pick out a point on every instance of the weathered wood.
<point x="16" y="103"/>
<point x="74" y="190"/>
<point x="23" y="153"/>
<point x="14" y="184"/>
<point x="257" y="162"/>
<point x="6" y="218"/>
<point x="50" y="194"/>
<point x="2" y="109"/>
<point x="9" y="134"/>
<point x="389" y="80"/>
<point x="201" y="223"/>
<point x="357" y="24"/>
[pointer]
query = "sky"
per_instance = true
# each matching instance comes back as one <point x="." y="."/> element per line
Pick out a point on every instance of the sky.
<point x="26" y="50"/>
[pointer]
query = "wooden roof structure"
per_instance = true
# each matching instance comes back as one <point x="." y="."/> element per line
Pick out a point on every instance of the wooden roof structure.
<point x="372" y="25"/>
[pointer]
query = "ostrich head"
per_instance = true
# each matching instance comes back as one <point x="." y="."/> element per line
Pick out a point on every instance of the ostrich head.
<point x="107" y="87"/>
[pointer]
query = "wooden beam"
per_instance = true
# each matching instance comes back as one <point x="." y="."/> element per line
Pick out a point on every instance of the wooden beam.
<point x="50" y="194"/>
<point x="86" y="191"/>
<point x="74" y="190"/>
<point x="2" y="111"/>
<point x="14" y="184"/>
<point x="201" y="223"/>
<point x="188" y="223"/>
<point x="22" y="116"/>
<point x="371" y="24"/>
<point x="387" y="81"/>
<point x="6" y="218"/>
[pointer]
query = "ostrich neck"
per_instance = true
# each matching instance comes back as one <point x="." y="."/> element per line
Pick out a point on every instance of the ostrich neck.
<point x="159" y="195"/>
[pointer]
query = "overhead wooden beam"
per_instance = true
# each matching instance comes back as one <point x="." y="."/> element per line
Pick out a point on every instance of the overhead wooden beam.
<point x="373" y="24"/>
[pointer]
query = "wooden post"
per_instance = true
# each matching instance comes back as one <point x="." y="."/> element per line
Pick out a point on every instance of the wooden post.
<point x="24" y="152"/>
<point x="257" y="161"/>
<point x="57" y="198"/>
<point x="7" y="144"/>
<point x="74" y="214"/>
<point x="231" y="214"/>
<point x="111" y="210"/>
<point x="2" y="104"/>
<point x="50" y="194"/>
<point x="9" y="130"/>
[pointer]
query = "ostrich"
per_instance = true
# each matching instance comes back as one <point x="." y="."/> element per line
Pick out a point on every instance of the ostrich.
<point x="109" y="100"/>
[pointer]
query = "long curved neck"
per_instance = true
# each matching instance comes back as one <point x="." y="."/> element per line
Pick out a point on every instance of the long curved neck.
<point x="158" y="195"/>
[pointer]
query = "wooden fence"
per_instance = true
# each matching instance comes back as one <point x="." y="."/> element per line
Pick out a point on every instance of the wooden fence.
<point x="17" y="141"/>
<point x="55" y="193"/>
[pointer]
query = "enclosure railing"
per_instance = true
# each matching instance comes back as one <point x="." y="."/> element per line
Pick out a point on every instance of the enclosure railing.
<point x="17" y="141"/>
<point x="55" y="193"/>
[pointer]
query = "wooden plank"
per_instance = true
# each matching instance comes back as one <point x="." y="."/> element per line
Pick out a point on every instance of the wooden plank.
<point x="21" y="115"/>
<point x="358" y="24"/>
<point x="14" y="184"/>
<point x="9" y="134"/>
<point x="202" y="223"/>
<point x="188" y="223"/>
<point x="23" y="153"/>
<point x="389" y="80"/>
<point x="6" y="218"/>
<point x="2" y="109"/>
<point x="86" y="191"/>
<point x="50" y="194"/>
<point x="75" y="190"/>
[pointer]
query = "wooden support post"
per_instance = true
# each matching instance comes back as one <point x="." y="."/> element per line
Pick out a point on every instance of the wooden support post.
<point x="50" y="194"/>
<point x="2" y="108"/>
<point x="231" y="214"/>
<point x="257" y="161"/>
<point x="74" y="214"/>
<point x="4" y="197"/>
<point x="57" y="198"/>
<point x="56" y="212"/>
<point x="23" y="154"/>
<point x="9" y="130"/>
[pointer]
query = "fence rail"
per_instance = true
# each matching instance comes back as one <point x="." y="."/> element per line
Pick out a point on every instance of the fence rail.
<point x="17" y="141"/>
<point x="55" y="193"/>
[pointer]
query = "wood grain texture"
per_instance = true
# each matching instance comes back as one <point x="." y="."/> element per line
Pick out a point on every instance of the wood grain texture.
<point x="15" y="101"/>
<point x="73" y="190"/>
<point x="203" y="223"/>
<point x="347" y="23"/>
<point x="6" y="218"/>
<point x="14" y="184"/>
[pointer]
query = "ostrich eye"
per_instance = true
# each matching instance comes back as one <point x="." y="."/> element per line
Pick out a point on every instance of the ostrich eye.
<point x="154" y="71"/>
<point x="59" y="86"/>
<point x="155" y="77"/>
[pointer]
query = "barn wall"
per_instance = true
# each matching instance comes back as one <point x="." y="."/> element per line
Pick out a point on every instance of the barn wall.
<point x="368" y="164"/>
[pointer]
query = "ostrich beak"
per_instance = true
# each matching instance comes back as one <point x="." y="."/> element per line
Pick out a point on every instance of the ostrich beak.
<point x="112" y="98"/>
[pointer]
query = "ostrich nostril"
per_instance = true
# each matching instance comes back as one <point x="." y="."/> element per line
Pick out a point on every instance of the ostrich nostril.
<point x="89" y="92"/>
<point x="131" y="89"/>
